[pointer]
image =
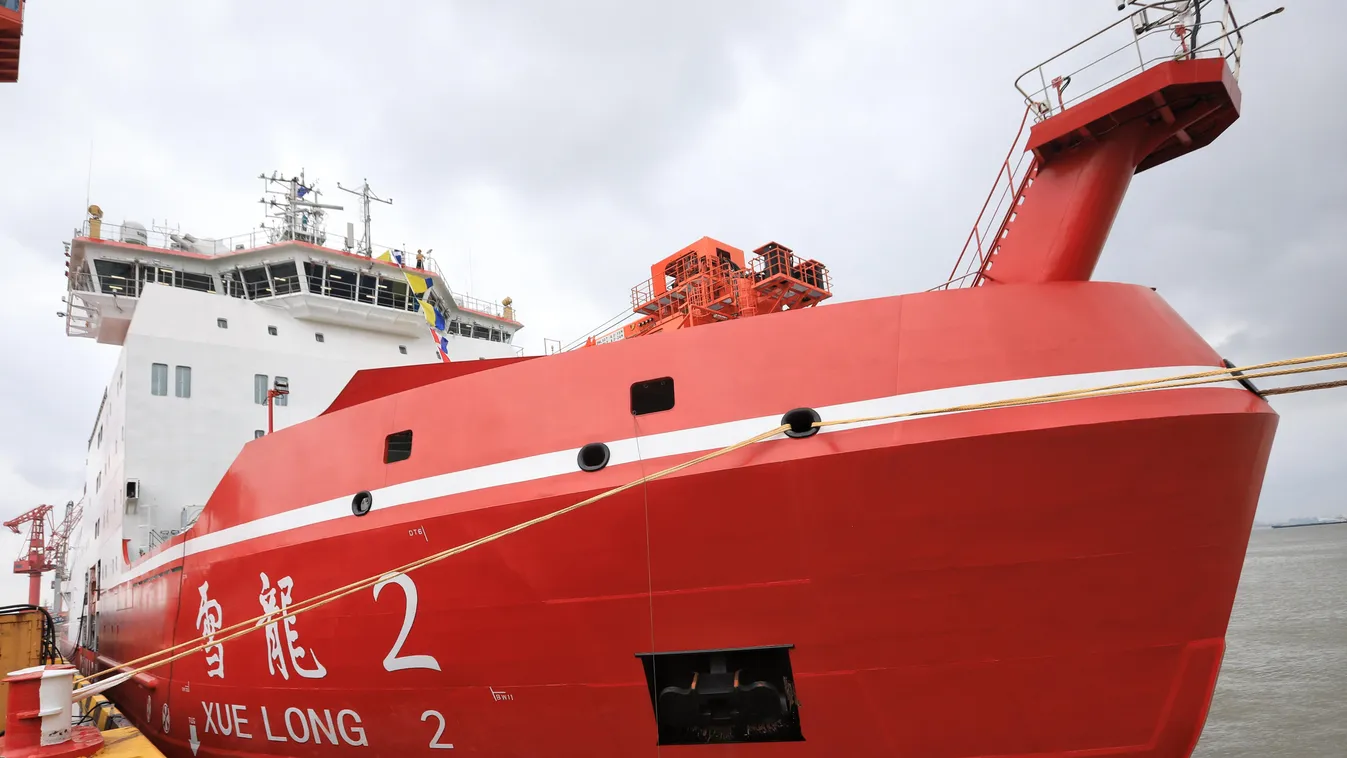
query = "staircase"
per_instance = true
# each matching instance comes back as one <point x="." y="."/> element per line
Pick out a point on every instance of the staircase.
<point x="1013" y="178"/>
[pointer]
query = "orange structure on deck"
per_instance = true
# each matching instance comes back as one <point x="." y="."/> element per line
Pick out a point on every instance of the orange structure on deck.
<point x="11" y="29"/>
<point x="709" y="281"/>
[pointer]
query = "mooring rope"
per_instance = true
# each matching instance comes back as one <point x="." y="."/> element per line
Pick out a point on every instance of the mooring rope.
<point x="234" y="631"/>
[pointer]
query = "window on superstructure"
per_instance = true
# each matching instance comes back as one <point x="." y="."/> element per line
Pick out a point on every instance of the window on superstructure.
<point x="402" y="349"/>
<point x="159" y="379"/>
<point x="368" y="286"/>
<point x="232" y="286"/>
<point x="271" y="330"/>
<point x="98" y="482"/>
<point x="260" y="389"/>
<point x="341" y="283"/>
<point x="284" y="277"/>
<point x="255" y="282"/>
<point x="97" y="524"/>
<point x="197" y="282"/>
<point x="314" y="273"/>
<point x="182" y="381"/>
<point x="282" y="399"/>
<point x="223" y="323"/>
<point x="258" y="434"/>
<point x="394" y="295"/>
<point x="100" y="436"/>
<point x="318" y="337"/>
<point x="116" y="278"/>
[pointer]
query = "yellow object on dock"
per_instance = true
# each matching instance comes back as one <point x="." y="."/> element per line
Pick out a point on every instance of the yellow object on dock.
<point x="127" y="742"/>
<point x="118" y="741"/>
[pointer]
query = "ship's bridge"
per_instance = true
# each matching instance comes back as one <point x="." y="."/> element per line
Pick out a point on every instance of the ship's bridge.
<point x="109" y="266"/>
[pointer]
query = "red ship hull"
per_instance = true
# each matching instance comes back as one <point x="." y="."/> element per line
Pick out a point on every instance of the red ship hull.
<point x="1050" y="580"/>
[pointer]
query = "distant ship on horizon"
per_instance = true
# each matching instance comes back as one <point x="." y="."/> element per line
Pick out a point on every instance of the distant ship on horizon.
<point x="1316" y="521"/>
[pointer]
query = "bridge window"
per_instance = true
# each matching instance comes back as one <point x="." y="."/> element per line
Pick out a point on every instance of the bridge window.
<point x="368" y="286"/>
<point x="284" y="277"/>
<point x="255" y="282"/>
<point x="116" y="277"/>
<point x="197" y="282"/>
<point x="314" y="273"/>
<point x="392" y="294"/>
<point x="159" y="379"/>
<point x="341" y="283"/>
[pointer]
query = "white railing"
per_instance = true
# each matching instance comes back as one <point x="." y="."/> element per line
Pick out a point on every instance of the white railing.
<point x="1155" y="33"/>
<point x="161" y="239"/>
<point x="490" y="308"/>
<point x="158" y="238"/>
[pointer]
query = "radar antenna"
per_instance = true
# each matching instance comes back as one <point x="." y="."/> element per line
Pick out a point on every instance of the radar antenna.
<point x="294" y="212"/>
<point x="366" y="246"/>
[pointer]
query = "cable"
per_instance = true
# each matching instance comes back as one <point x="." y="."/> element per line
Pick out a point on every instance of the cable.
<point x="48" y="653"/>
<point x="1213" y="376"/>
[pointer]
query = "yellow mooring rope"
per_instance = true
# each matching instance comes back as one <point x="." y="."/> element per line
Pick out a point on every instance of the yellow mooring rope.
<point x="234" y="631"/>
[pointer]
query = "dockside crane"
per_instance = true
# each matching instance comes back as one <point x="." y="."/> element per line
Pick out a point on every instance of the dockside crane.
<point x="41" y="555"/>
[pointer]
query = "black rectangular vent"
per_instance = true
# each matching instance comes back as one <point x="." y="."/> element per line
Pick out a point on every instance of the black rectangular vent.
<point x="723" y="696"/>
<point x="652" y="396"/>
<point x="398" y="447"/>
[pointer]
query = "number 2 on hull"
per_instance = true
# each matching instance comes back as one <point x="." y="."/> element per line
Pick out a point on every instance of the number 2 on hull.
<point x="393" y="661"/>
<point x="435" y="741"/>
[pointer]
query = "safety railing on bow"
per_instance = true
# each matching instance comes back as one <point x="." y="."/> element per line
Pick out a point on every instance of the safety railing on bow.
<point x="1155" y="33"/>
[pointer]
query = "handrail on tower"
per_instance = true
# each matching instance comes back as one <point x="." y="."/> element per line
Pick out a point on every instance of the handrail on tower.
<point x="1091" y="101"/>
<point x="1157" y="32"/>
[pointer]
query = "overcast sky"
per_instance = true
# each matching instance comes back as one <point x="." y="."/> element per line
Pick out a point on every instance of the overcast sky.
<point x="551" y="151"/>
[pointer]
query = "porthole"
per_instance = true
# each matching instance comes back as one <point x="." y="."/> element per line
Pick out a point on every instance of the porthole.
<point x="362" y="503"/>
<point x="593" y="456"/>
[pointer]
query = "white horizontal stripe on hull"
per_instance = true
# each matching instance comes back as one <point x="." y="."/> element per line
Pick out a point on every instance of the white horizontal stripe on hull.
<point x="679" y="442"/>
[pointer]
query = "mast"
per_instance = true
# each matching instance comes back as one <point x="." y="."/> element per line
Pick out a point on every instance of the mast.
<point x="293" y="216"/>
<point x="366" y="246"/>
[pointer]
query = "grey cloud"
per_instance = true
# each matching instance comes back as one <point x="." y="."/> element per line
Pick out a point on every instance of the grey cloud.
<point x="569" y="146"/>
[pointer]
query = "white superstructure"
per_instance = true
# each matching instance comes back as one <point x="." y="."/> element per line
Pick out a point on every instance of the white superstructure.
<point x="206" y="328"/>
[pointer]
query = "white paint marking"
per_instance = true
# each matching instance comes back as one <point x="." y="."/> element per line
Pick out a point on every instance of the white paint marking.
<point x="679" y="442"/>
